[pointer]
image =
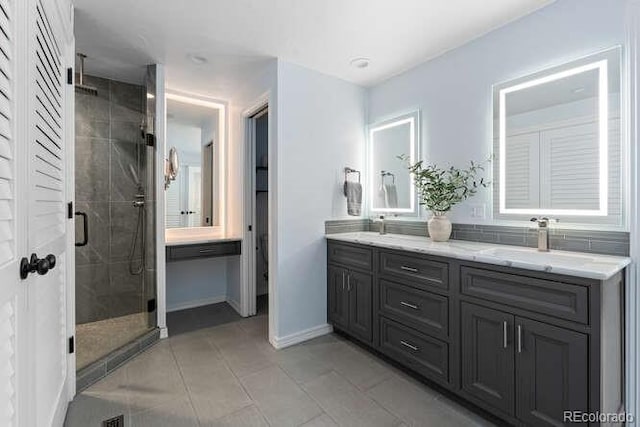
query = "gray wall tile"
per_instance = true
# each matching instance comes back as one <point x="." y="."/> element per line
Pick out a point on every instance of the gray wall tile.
<point x="602" y="242"/>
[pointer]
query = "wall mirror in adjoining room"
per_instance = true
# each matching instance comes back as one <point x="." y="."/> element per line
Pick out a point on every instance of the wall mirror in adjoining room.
<point x="196" y="128"/>
<point x="558" y="143"/>
<point x="391" y="189"/>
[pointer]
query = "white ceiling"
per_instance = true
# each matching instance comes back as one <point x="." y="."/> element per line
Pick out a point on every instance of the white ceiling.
<point x="238" y="37"/>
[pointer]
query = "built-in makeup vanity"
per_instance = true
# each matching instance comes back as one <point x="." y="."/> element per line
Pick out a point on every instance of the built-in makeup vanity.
<point x="524" y="335"/>
<point x="180" y="250"/>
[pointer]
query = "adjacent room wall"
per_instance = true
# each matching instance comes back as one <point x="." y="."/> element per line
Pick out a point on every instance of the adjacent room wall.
<point x="264" y="83"/>
<point x="454" y="91"/>
<point x="196" y="282"/>
<point x="321" y="122"/>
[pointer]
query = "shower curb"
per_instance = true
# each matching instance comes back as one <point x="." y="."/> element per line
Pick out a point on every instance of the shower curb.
<point x="94" y="372"/>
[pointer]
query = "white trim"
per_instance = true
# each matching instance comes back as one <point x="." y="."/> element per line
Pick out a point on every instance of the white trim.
<point x="631" y="107"/>
<point x="234" y="304"/>
<point x="70" y="249"/>
<point x="301" y="336"/>
<point x="161" y="265"/>
<point x="196" y="303"/>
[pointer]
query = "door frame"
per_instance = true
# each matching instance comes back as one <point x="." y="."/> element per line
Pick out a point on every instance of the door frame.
<point x="248" y="289"/>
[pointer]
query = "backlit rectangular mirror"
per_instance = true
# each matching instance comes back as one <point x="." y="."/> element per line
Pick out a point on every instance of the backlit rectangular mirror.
<point x="391" y="189"/>
<point x="195" y="128"/>
<point x="558" y="140"/>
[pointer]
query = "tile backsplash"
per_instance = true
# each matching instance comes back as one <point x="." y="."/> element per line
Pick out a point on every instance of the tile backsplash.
<point x="601" y="242"/>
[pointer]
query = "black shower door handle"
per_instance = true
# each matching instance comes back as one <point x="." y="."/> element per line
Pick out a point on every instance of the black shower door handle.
<point x="85" y="227"/>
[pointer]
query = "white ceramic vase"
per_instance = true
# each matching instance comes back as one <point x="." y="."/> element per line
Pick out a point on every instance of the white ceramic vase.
<point x="439" y="227"/>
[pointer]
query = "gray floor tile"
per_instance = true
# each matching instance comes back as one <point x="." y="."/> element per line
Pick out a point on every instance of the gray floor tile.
<point x="89" y="411"/>
<point x="153" y="378"/>
<point x="193" y="349"/>
<point x="226" y="335"/>
<point x="323" y="420"/>
<point x="346" y="404"/>
<point x="246" y="358"/>
<point x="214" y="390"/>
<point x="173" y="414"/>
<point x="459" y="414"/>
<point x="280" y="399"/>
<point x="246" y="417"/>
<point x="359" y="368"/>
<point x="409" y="402"/>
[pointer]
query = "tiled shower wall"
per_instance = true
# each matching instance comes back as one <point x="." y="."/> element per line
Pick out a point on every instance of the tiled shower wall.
<point x="601" y="242"/>
<point x="108" y="138"/>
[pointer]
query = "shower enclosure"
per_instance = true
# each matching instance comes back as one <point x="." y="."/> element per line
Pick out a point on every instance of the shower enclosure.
<point x="115" y="218"/>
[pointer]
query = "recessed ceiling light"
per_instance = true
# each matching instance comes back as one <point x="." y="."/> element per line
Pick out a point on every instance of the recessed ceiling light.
<point x="150" y="96"/>
<point x="360" y="62"/>
<point x="197" y="59"/>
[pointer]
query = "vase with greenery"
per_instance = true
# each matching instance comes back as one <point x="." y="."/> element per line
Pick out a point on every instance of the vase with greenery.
<point x="440" y="189"/>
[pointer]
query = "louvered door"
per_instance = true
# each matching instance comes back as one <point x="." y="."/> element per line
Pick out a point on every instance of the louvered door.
<point x="13" y="319"/>
<point x="47" y="235"/>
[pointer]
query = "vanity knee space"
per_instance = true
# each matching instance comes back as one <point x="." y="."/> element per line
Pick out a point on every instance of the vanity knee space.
<point x="520" y="344"/>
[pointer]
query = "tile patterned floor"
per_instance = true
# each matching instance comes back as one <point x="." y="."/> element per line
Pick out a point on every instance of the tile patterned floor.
<point x="229" y="375"/>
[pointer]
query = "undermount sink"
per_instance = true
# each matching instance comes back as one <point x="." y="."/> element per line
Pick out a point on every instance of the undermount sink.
<point x="533" y="256"/>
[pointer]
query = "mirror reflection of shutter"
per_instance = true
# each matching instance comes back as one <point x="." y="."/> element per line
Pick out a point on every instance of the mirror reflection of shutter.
<point x="522" y="174"/>
<point x="570" y="167"/>
<point x="615" y="208"/>
<point x="173" y="217"/>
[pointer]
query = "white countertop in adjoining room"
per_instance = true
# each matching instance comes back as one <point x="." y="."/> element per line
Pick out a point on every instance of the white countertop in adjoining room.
<point x="196" y="235"/>
<point x="580" y="264"/>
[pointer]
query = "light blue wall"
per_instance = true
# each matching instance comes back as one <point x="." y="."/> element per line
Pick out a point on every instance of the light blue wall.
<point x="196" y="280"/>
<point x="320" y="131"/>
<point x="454" y="91"/>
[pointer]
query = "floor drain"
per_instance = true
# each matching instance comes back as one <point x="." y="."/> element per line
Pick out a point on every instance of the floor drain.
<point x="114" y="422"/>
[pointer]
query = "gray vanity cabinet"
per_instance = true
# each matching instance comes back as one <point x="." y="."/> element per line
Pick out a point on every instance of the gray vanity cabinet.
<point x="523" y="345"/>
<point x="488" y="364"/>
<point x="350" y="291"/>
<point x="552" y="372"/>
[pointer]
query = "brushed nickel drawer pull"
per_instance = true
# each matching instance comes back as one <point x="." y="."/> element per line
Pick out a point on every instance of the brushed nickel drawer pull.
<point x="206" y="251"/>
<point x="409" y="269"/>
<point x="504" y="334"/>
<point x="406" y="304"/>
<point x="406" y="344"/>
<point x="349" y="282"/>
<point x="519" y="339"/>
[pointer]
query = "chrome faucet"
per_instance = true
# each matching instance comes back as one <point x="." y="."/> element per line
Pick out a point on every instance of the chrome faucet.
<point x="543" y="233"/>
<point x="383" y="227"/>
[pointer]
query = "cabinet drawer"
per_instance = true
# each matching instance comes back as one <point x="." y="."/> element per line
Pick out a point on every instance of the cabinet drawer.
<point x="422" y="353"/>
<point x="419" y="309"/>
<point x="415" y="269"/>
<point x="203" y="250"/>
<point x="557" y="299"/>
<point x="350" y="255"/>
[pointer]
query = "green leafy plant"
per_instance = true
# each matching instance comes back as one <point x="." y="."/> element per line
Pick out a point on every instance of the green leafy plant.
<point x="441" y="189"/>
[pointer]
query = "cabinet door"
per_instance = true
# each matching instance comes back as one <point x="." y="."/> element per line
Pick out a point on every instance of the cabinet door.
<point x="552" y="372"/>
<point x="338" y="301"/>
<point x="487" y="356"/>
<point x="360" y="287"/>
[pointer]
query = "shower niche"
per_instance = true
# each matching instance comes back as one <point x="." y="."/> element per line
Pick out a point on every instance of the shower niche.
<point x="115" y="216"/>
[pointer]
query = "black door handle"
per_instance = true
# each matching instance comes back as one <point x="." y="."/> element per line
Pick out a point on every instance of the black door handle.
<point x="85" y="228"/>
<point x="37" y="265"/>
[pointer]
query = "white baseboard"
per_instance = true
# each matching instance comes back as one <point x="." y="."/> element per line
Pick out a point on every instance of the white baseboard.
<point x="235" y="305"/>
<point x="164" y="333"/>
<point x="196" y="303"/>
<point x="298" y="337"/>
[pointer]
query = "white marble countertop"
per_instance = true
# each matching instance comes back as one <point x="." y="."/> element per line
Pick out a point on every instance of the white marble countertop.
<point x="592" y="266"/>
<point x="190" y="240"/>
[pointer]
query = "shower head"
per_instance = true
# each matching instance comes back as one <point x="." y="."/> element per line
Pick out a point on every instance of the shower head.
<point x="80" y="86"/>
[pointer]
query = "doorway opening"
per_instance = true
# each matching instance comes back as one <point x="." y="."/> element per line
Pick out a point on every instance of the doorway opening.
<point x="260" y="207"/>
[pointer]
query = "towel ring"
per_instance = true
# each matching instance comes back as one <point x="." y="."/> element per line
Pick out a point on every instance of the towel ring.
<point x="384" y="174"/>
<point x="347" y="171"/>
